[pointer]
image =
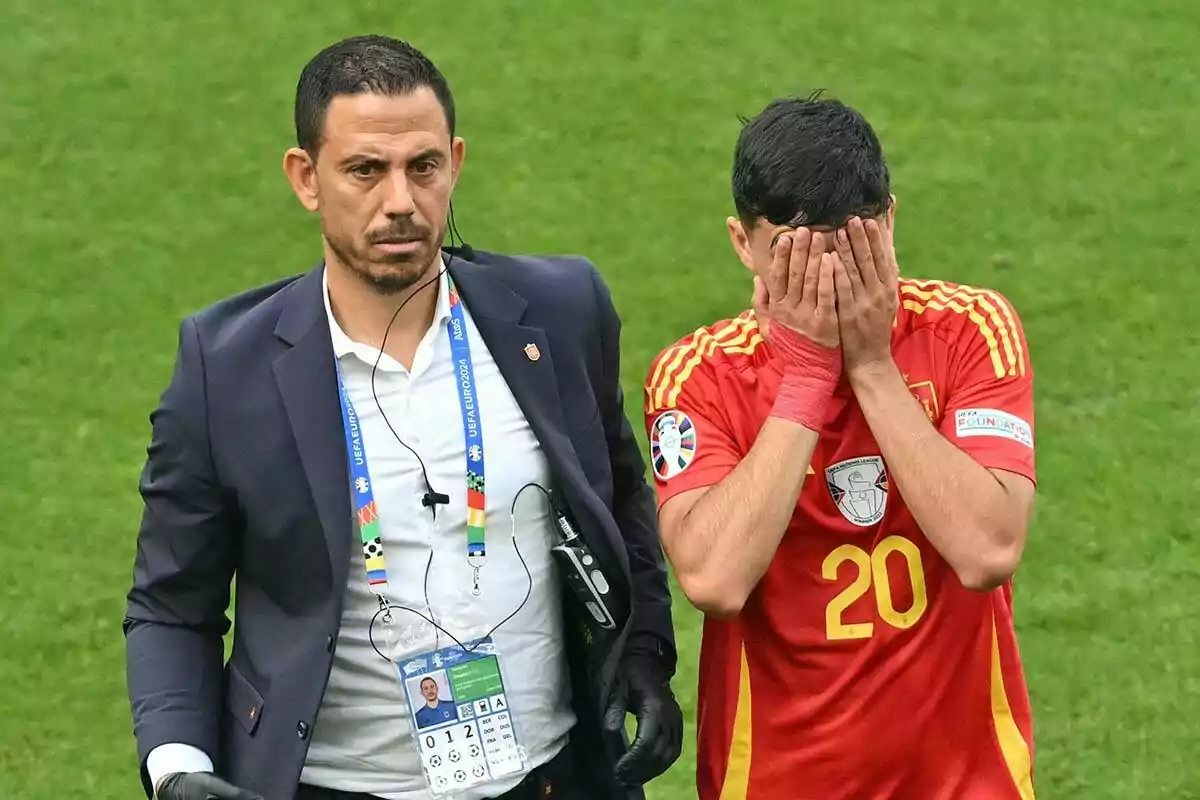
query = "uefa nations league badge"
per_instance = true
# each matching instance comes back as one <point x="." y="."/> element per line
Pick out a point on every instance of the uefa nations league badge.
<point x="859" y="488"/>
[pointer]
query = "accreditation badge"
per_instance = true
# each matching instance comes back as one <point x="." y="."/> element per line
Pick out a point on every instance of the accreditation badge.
<point x="464" y="731"/>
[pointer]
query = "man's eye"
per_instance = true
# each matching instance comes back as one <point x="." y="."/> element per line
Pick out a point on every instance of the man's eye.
<point x="363" y="169"/>
<point x="424" y="167"/>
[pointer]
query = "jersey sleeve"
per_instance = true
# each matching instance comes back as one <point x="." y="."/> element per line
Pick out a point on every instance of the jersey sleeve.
<point x="691" y="443"/>
<point x="989" y="408"/>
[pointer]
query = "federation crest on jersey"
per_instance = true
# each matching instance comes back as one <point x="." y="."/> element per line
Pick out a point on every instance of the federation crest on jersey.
<point x="672" y="443"/>
<point x="859" y="488"/>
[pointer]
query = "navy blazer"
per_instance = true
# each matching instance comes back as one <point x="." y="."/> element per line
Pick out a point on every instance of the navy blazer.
<point x="246" y="476"/>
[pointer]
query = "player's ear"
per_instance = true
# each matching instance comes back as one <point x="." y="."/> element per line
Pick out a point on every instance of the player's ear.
<point x="890" y="222"/>
<point x="301" y="172"/>
<point x="740" y="240"/>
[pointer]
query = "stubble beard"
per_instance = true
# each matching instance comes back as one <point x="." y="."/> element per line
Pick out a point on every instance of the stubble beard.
<point x="391" y="275"/>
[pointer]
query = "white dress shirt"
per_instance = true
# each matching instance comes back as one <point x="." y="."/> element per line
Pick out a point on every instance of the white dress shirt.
<point x="362" y="737"/>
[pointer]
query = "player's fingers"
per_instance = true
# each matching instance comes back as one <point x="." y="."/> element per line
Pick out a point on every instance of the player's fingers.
<point x="841" y="244"/>
<point x="760" y="303"/>
<point x="834" y="286"/>
<point x="812" y="270"/>
<point x="881" y="247"/>
<point x="802" y="243"/>
<point x="776" y="278"/>
<point x="862" y="251"/>
<point x="879" y="254"/>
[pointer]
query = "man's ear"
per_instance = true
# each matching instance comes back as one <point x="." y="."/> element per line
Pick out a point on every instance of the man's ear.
<point x="458" y="155"/>
<point x="301" y="172"/>
<point x="740" y="239"/>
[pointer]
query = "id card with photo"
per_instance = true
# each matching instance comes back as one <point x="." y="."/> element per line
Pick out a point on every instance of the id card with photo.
<point x="464" y="731"/>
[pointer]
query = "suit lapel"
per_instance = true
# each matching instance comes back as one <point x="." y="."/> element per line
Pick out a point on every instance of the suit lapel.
<point x="308" y="383"/>
<point x="522" y="354"/>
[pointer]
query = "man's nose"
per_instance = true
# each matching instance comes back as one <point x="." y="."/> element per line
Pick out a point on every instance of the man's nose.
<point x="398" y="198"/>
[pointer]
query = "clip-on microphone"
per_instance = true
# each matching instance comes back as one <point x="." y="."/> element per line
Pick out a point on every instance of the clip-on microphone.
<point x="432" y="498"/>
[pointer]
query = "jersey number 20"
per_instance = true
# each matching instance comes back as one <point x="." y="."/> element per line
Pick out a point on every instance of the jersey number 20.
<point x="872" y="569"/>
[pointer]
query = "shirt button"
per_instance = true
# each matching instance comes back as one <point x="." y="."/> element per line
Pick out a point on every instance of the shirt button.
<point x="302" y="729"/>
<point x="328" y="644"/>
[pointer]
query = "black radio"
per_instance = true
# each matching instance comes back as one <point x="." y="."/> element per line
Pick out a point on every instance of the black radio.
<point x="582" y="571"/>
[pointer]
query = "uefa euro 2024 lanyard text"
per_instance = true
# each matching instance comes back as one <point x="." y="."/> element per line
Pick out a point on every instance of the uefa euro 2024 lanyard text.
<point x="463" y="730"/>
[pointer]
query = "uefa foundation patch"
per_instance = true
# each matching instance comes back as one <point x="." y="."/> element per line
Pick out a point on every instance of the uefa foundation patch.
<point x="992" y="422"/>
<point x="672" y="444"/>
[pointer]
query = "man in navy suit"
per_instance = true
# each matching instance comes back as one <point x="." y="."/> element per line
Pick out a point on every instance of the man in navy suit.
<point x="385" y="451"/>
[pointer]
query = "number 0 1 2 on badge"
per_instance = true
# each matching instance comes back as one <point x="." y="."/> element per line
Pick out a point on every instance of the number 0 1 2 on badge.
<point x="464" y="730"/>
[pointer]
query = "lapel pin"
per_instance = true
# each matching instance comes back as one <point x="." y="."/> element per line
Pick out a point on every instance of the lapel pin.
<point x="532" y="352"/>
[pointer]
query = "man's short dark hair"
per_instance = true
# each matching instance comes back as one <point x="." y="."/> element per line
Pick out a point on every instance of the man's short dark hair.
<point x="361" y="64"/>
<point x="809" y="161"/>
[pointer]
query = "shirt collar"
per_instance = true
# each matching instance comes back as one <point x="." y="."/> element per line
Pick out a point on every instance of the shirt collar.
<point x="343" y="345"/>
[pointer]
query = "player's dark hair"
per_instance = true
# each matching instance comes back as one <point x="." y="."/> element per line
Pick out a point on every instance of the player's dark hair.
<point x="809" y="161"/>
<point x="361" y="64"/>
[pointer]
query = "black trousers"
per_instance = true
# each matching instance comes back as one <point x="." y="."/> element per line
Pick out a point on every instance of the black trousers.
<point x="557" y="779"/>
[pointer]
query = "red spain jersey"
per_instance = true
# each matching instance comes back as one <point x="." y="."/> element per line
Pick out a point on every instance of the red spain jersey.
<point x="860" y="667"/>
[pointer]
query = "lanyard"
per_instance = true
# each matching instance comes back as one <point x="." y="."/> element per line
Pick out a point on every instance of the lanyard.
<point x="363" y="492"/>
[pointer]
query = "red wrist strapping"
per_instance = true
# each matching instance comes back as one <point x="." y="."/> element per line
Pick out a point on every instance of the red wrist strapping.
<point x="810" y="374"/>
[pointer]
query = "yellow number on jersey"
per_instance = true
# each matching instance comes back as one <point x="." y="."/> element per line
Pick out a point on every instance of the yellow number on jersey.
<point x="873" y="566"/>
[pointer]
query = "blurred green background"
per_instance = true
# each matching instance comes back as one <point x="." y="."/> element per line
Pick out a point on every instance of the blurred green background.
<point x="1043" y="149"/>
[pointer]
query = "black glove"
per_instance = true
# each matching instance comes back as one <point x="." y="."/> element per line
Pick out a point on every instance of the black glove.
<point x="200" y="786"/>
<point x="644" y="689"/>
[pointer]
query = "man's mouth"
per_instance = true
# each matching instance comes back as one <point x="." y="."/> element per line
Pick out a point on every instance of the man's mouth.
<point x="398" y="245"/>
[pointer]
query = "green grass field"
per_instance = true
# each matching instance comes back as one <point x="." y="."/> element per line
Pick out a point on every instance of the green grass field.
<point x="1043" y="149"/>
